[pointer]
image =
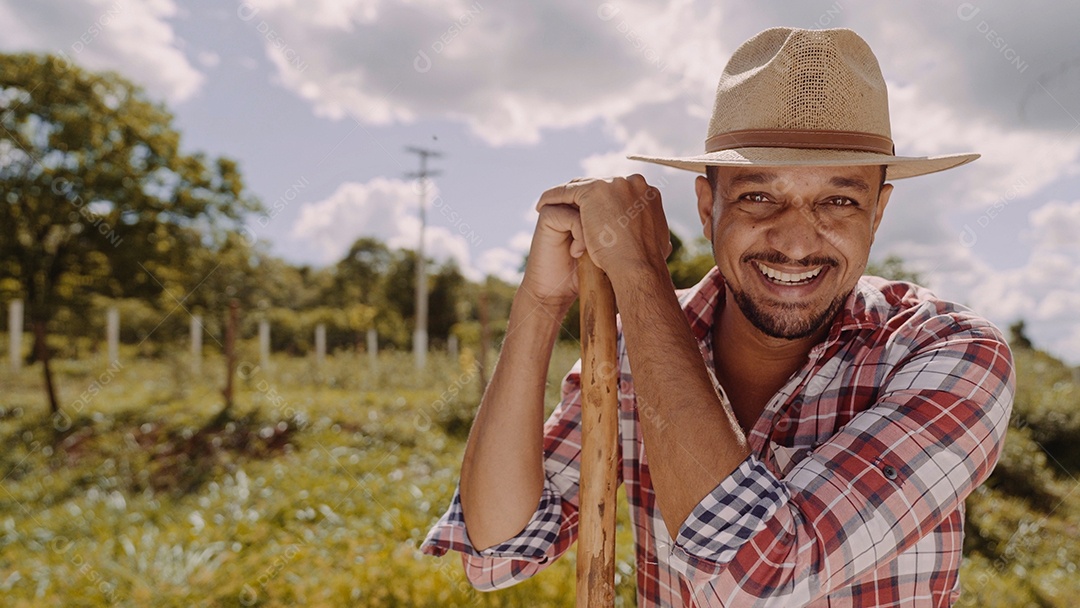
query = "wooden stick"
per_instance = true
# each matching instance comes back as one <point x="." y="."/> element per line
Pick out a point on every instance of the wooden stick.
<point x="599" y="436"/>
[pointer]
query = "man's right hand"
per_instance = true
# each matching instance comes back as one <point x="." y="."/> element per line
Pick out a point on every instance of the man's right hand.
<point x="551" y="272"/>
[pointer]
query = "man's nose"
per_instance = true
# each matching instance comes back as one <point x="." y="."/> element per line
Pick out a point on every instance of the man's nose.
<point x="795" y="232"/>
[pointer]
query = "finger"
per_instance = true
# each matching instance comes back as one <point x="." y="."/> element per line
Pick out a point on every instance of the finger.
<point x="565" y="221"/>
<point x="653" y="196"/>
<point x="565" y="194"/>
<point x="577" y="233"/>
<point x="562" y="218"/>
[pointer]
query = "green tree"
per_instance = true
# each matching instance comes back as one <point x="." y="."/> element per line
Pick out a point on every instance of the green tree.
<point x="397" y="297"/>
<point x="96" y="194"/>
<point x="443" y="310"/>
<point x="893" y="268"/>
<point x="358" y="277"/>
<point x="399" y="285"/>
<point x="689" y="263"/>
<point x="1018" y="337"/>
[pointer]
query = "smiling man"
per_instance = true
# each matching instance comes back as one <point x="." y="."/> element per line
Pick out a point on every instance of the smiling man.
<point x="791" y="432"/>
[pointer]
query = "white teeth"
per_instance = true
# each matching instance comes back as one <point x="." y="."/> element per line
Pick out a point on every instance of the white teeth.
<point x="784" y="277"/>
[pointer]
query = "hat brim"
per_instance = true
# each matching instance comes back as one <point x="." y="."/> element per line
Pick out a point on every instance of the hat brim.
<point x="899" y="167"/>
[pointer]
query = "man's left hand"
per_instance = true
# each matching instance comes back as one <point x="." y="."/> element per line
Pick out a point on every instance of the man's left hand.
<point x="622" y="219"/>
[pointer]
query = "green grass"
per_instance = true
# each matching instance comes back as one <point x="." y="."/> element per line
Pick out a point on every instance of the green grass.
<point x="317" y="491"/>
<point x="319" y="487"/>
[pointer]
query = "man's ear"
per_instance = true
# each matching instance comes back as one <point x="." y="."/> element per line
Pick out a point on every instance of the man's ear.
<point x="704" y="192"/>
<point x="882" y="202"/>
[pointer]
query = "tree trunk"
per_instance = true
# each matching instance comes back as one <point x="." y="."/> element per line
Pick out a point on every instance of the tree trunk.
<point x="41" y="349"/>
<point x="230" y="354"/>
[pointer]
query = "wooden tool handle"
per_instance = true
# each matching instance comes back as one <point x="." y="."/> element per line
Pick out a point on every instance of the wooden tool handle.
<point x="599" y="437"/>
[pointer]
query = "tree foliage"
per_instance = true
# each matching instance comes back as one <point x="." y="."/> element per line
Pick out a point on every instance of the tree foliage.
<point x="97" y="195"/>
<point x="893" y="269"/>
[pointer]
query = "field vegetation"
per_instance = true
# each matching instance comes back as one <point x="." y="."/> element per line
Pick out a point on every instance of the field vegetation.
<point x="319" y="486"/>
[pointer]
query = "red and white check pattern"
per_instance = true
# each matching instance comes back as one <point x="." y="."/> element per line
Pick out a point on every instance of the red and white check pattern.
<point x="853" y="495"/>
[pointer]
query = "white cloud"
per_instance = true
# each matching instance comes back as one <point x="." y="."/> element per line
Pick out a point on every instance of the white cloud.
<point x="501" y="262"/>
<point x="133" y="38"/>
<point x="208" y="59"/>
<point x="1056" y="224"/>
<point x="385" y="209"/>
<point x="1044" y="291"/>
<point x="521" y="242"/>
<point x="508" y="70"/>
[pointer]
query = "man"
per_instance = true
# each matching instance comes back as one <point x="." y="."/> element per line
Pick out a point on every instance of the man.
<point x="791" y="433"/>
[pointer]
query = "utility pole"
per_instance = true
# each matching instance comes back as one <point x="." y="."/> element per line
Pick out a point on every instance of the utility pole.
<point x="420" y="335"/>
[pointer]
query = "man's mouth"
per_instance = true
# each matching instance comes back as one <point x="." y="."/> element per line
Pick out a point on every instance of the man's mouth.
<point x="789" y="279"/>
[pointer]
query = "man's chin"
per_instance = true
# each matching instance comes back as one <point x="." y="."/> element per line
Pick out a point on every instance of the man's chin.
<point x="787" y="321"/>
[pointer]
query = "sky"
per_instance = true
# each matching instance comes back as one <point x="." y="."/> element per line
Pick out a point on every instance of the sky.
<point x="318" y="101"/>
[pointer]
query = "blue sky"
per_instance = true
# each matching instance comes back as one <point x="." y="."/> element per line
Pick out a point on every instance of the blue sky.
<point x="317" y="100"/>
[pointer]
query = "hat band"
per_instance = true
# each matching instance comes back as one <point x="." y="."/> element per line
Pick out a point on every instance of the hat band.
<point x="801" y="138"/>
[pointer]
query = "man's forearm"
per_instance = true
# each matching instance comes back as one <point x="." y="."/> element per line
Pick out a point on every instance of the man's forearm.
<point x="502" y="475"/>
<point x="692" y="439"/>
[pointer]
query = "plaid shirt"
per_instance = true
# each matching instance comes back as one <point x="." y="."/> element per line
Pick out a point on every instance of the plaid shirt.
<point x="853" y="494"/>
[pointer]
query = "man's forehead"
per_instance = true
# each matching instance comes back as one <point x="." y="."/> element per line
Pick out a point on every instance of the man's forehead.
<point x="856" y="177"/>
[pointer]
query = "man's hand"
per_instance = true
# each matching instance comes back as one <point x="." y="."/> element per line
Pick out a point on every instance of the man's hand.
<point x="620" y="221"/>
<point x="551" y="272"/>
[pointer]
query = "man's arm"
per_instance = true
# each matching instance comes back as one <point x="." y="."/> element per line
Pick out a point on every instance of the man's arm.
<point x="692" y="437"/>
<point x="502" y="475"/>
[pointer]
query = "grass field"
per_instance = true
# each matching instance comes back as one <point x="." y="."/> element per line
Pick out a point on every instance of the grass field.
<point x="320" y="485"/>
<point x="316" y="491"/>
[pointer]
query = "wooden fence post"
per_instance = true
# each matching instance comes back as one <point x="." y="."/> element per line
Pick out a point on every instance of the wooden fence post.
<point x="264" y="344"/>
<point x="15" y="334"/>
<point x="373" y="347"/>
<point x="452" y="347"/>
<point x="320" y="346"/>
<point x="112" y="331"/>
<point x="196" y="332"/>
<point x="230" y="351"/>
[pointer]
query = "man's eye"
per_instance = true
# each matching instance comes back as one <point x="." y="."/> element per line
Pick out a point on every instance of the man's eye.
<point x="756" y="197"/>
<point x="841" y="201"/>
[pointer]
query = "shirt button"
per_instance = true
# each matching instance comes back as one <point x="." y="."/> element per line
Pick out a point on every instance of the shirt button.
<point x="890" y="472"/>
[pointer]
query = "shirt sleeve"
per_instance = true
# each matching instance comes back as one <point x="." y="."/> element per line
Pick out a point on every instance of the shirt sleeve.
<point x="547" y="535"/>
<point x="553" y="526"/>
<point x="887" y="479"/>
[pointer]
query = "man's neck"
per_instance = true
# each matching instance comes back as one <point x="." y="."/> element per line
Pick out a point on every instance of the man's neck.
<point x="752" y="366"/>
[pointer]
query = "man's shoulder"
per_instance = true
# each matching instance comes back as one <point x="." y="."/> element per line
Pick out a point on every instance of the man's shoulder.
<point x="904" y="308"/>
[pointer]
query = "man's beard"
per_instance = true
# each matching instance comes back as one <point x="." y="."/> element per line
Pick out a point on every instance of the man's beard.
<point x="786" y="324"/>
<point x="785" y="321"/>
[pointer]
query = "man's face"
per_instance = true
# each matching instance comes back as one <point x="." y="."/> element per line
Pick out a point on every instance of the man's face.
<point x="791" y="242"/>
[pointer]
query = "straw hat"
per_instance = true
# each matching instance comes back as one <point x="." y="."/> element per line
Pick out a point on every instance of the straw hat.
<point x="794" y="97"/>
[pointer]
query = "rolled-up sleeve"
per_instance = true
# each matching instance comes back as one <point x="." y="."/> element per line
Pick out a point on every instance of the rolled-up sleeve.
<point x="541" y="541"/>
<point x="551" y="530"/>
<point x="728" y="517"/>
<point x="891" y="476"/>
